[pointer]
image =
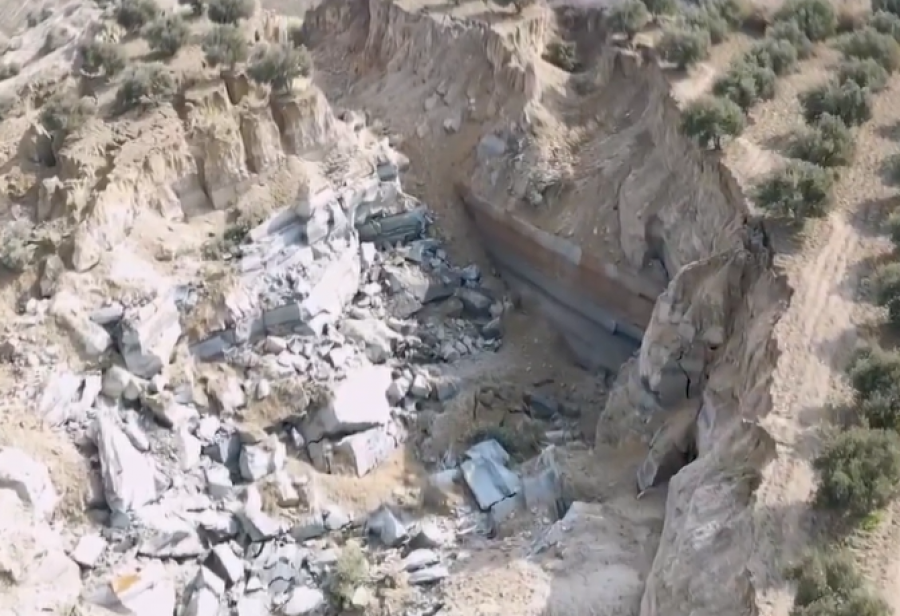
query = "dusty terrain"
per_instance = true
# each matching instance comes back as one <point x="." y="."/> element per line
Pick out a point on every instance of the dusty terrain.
<point x="741" y="353"/>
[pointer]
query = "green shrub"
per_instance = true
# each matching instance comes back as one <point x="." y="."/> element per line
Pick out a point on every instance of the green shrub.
<point x="709" y="120"/>
<point x="846" y="101"/>
<point x="887" y="293"/>
<point x="225" y="45"/>
<point x="701" y="18"/>
<point x="829" y="584"/>
<point x="777" y="54"/>
<point x="135" y="14"/>
<point x="864" y="73"/>
<point x="522" y="441"/>
<point x="559" y="53"/>
<point x="351" y="572"/>
<point x="64" y="113"/>
<point x="734" y="12"/>
<point x="869" y="43"/>
<point x="147" y="85"/>
<point x="891" y="169"/>
<point x="874" y="371"/>
<point x="196" y="6"/>
<point x="828" y="143"/>
<point x="166" y="35"/>
<point x="101" y="57"/>
<point x="628" y="18"/>
<point x="892" y="226"/>
<point x="816" y="18"/>
<point x="800" y="190"/>
<point x="279" y="65"/>
<point x="684" y="47"/>
<point x="859" y="471"/>
<point x="791" y="32"/>
<point x="9" y="70"/>
<point x="823" y="573"/>
<point x="230" y="11"/>
<point x="888" y="6"/>
<point x="745" y="84"/>
<point x="661" y="7"/>
<point x="886" y="23"/>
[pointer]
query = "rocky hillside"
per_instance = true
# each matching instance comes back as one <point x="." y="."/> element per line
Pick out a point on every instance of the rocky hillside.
<point x="258" y="357"/>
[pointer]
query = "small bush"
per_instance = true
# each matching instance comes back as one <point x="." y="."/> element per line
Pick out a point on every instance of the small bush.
<point x="279" y="65"/>
<point x="628" y="18"/>
<point x="829" y="584"/>
<point x="846" y="101"/>
<point x="745" y="84"/>
<point x="9" y="70"/>
<point x="351" y="571"/>
<point x="698" y="18"/>
<point x="196" y="6"/>
<point x="684" y="47"/>
<point x="859" y="471"/>
<point x="135" y="14"/>
<point x="64" y="113"/>
<point x="522" y="441"/>
<point x="892" y="226"/>
<point x="102" y="57"/>
<point x="230" y="11"/>
<point x="891" y="169"/>
<point x="886" y="23"/>
<point x="166" y="35"/>
<point x="828" y="143"/>
<point x="887" y="295"/>
<point x="559" y="53"/>
<point x="710" y="120"/>
<point x="661" y="7"/>
<point x="147" y="85"/>
<point x="875" y="371"/>
<point x="792" y="33"/>
<point x="777" y="54"/>
<point x="225" y="45"/>
<point x="888" y="6"/>
<point x="867" y="74"/>
<point x="816" y="18"/>
<point x="869" y="43"/>
<point x="734" y="12"/>
<point x="799" y="190"/>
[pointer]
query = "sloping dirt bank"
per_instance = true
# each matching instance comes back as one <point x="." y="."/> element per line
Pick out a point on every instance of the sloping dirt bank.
<point x="598" y="160"/>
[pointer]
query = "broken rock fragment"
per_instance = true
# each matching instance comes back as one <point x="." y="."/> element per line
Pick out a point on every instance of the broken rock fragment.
<point x="130" y="479"/>
<point x="29" y="479"/>
<point x="359" y="403"/>
<point x="148" y="336"/>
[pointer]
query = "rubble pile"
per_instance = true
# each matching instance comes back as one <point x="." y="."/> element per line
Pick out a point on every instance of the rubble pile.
<point x="345" y="312"/>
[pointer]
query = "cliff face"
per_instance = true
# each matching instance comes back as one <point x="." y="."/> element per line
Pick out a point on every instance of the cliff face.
<point x="602" y="166"/>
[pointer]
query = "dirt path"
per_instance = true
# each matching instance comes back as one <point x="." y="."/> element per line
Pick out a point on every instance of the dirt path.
<point x="817" y="335"/>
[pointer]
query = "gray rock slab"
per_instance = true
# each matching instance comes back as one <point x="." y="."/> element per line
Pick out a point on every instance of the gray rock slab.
<point x="359" y="403"/>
